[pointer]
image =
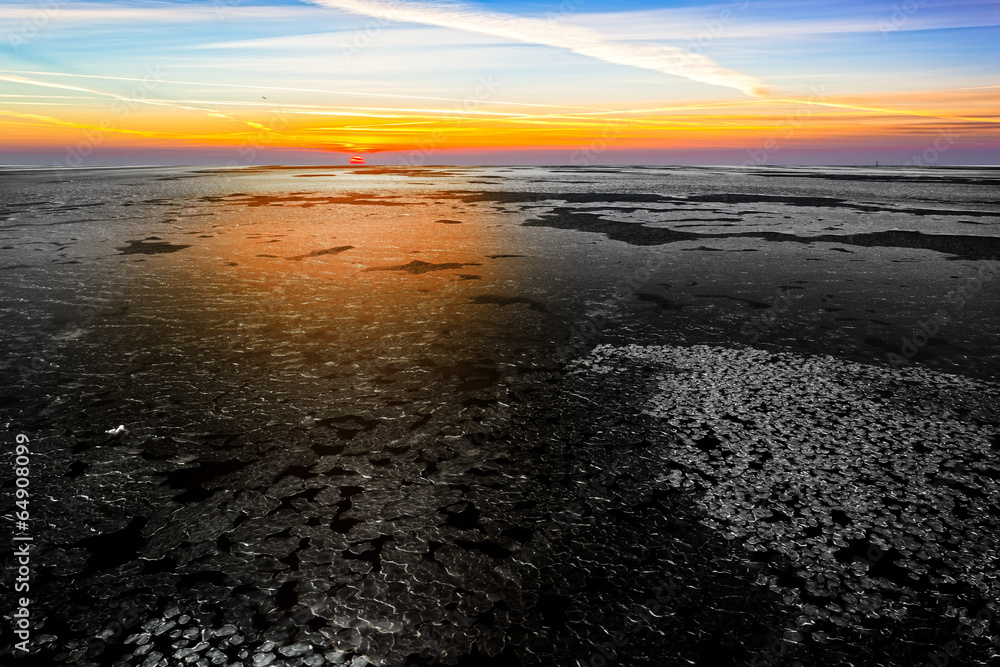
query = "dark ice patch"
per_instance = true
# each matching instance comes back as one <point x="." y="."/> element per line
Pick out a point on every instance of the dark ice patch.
<point x="417" y="267"/>
<point x="499" y="300"/>
<point x="661" y="301"/>
<point x="756" y="305"/>
<point x="319" y="253"/>
<point x="194" y="480"/>
<point x="959" y="246"/>
<point x="145" y="247"/>
<point x="472" y="375"/>
<point x="348" y="426"/>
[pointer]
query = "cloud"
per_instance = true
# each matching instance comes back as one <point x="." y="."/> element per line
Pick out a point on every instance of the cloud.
<point x="222" y="86"/>
<point x="784" y="20"/>
<point x="108" y="13"/>
<point x="584" y="41"/>
<point x="132" y="100"/>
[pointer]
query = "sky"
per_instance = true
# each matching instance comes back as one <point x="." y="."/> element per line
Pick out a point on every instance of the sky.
<point x="568" y="82"/>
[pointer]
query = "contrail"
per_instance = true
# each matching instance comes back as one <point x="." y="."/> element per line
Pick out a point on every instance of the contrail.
<point x="294" y="90"/>
<point x="160" y="103"/>
<point x="657" y="57"/>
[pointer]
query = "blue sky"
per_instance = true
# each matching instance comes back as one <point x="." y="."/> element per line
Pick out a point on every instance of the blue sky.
<point x="883" y="68"/>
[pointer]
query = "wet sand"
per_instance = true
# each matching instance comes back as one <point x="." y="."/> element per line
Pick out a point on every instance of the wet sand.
<point x="365" y="420"/>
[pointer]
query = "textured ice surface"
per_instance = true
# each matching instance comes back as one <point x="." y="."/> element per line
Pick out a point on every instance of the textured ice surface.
<point x="872" y="493"/>
<point x="349" y="435"/>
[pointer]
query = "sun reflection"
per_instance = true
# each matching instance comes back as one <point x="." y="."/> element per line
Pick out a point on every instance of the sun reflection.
<point x="308" y="276"/>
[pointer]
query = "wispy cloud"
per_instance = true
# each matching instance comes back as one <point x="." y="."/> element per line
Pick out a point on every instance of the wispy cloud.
<point x="259" y="88"/>
<point x="584" y="41"/>
<point x="779" y="21"/>
<point x="110" y="13"/>
<point x="162" y="103"/>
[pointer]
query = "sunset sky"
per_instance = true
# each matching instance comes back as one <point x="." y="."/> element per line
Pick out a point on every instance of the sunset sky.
<point x="583" y="82"/>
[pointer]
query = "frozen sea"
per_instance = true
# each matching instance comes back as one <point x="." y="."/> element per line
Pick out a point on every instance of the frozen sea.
<point x="503" y="416"/>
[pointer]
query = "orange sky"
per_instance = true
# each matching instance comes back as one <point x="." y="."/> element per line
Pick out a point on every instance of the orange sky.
<point x="969" y="115"/>
<point x="258" y="86"/>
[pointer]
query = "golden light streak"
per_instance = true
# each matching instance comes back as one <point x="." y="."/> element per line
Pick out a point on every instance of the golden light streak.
<point x="891" y="112"/>
<point x="888" y="119"/>
<point x="298" y="90"/>
<point x="46" y="84"/>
